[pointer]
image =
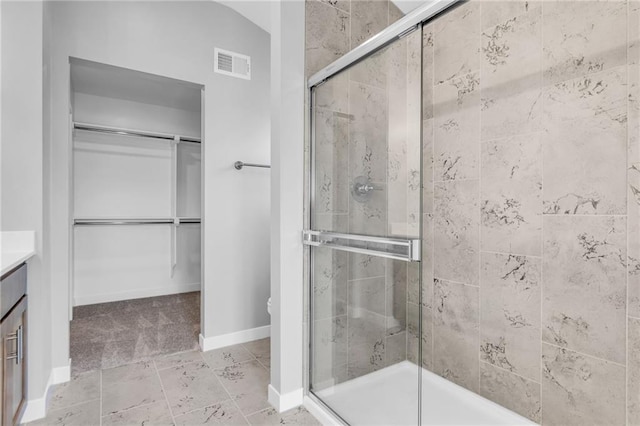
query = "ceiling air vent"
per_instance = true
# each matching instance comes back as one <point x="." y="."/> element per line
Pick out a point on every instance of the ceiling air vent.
<point x="233" y="64"/>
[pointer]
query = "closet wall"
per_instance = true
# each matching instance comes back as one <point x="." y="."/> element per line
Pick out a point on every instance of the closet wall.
<point x="124" y="177"/>
<point x="176" y="39"/>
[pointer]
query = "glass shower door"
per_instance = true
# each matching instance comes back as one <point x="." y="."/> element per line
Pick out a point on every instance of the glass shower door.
<point x="366" y="175"/>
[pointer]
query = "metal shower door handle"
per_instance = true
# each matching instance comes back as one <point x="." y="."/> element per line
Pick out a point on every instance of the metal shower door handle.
<point x="407" y="249"/>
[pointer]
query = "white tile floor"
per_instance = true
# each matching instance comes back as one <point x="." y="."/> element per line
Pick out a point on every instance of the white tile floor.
<point x="226" y="386"/>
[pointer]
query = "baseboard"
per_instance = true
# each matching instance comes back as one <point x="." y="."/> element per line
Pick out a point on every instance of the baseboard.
<point x="135" y="294"/>
<point x="61" y="374"/>
<point x="285" y="401"/>
<point x="243" y="336"/>
<point x="320" y="413"/>
<point x="36" y="409"/>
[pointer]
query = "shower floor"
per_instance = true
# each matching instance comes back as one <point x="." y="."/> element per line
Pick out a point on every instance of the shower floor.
<point x="389" y="397"/>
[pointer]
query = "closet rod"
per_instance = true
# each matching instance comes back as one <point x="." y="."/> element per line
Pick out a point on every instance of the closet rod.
<point x="133" y="221"/>
<point x="129" y="132"/>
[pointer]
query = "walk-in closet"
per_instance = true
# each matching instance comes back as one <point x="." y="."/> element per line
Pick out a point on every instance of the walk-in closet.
<point x="136" y="177"/>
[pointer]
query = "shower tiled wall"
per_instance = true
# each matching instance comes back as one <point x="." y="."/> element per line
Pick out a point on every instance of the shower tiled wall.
<point x="362" y="130"/>
<point x="531" y="182"/>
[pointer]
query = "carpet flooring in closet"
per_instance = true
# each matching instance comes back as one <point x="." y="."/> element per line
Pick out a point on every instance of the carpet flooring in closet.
<point x="107" y="335"/>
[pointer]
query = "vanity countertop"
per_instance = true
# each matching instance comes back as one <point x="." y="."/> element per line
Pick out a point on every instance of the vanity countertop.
<point x="15" y="247"/>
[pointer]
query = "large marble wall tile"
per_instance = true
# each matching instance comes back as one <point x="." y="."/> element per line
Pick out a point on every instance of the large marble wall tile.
<point x="366" y="358"/>
<point x="368" y="132"/>
<point x="511" y="70"/>
<point x="511" y="195"/>
<point x="584" y="147"/>
<point x="331" y="222"/>
<point x="333" y="94"/>
<point x="396" y="296"/>
<point x="584" y="303"/>
<point x="413" y="122"/>
<point x="329" y="351"/>
<point x="327" y="32"/>
<point x="366" y="344"/>
<point x="455" y="333"/>
<point x="365" y="327"/>
<point x="457" y="128"/>
<point x="414" y="334"/>
<point x="427" y="70"/>
<point x="344" y="5"/>
<point x="511" y="391"/>
<point x="593" y="95"/>
<point x="457" y="42"/>
<point x="398" y="155"/>
<point x="582" y="38"/>
<point x="633" y="372"/>
<point x="395" y="348"/>
<point x="394" y="13"/>
<point x="413" y="280"/>
<point x="456" y="231"/>
<point x="329" y="283"/>
<point x="331" y="160"/>
<point x="368" y="294"/>
<point x="366" y="266"/>
<point x="369" y="217"/>
<point x="580" y="390"/>
<point x="510" y="313"/>
<point x="427" y="166"/>
<point x="368" y="18"/>
<point x="373" y="70"/>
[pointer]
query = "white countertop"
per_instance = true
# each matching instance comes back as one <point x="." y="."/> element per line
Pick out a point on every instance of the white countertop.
<point x="16" y="247"/>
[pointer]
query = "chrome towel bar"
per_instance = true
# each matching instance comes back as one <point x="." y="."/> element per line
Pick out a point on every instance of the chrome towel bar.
<point x="239" y="165"/>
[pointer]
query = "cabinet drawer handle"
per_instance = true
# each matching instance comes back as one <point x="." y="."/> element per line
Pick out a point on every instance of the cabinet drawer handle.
<point x="17" y="355"/>
<point x="19" y="349"/>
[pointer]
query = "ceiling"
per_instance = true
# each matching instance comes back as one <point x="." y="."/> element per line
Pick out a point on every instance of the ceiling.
<point x="259" y="12"/>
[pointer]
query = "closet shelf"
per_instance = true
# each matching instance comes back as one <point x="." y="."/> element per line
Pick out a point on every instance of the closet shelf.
<point x="131" y="132"/>
<point x="155" y="221"/>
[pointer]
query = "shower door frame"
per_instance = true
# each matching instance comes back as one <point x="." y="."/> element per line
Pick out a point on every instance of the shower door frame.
<point x="404" y="26"/>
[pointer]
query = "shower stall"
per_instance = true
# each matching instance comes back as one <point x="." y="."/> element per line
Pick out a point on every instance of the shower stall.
<point x="431" y="217"/>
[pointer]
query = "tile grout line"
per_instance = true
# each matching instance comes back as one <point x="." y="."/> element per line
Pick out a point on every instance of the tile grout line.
<point x="534" y="256"/>
<point x="164" y="392"/>
<point x="541" y="205"/>
<point x="333" y="7"/>
<point x="584" y="354"/>
<point x="233" y="398"/>
<point x="510" y="372"/>
<point x="479" y="207"/>
<point x="626" y="189"/>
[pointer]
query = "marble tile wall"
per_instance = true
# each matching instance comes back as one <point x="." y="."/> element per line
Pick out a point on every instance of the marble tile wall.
<point x="531" y="136"/>
<point x="531" y="202"/>
<point x="362" y="130"/>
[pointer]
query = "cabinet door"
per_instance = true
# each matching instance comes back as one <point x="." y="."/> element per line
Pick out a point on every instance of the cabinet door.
<point x="13" y="342"/>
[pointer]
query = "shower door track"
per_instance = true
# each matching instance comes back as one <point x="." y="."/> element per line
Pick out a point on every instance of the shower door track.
<point x="397" y="30"/>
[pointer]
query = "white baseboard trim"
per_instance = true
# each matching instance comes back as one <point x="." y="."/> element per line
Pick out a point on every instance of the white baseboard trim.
<point x="135" y="294"/>
<point x="287" y="401"/>
<point x="322" y="415"/>
<point x="61" y="374"/>
<point x="36" y="409"/>
<point x="243" y="336"/>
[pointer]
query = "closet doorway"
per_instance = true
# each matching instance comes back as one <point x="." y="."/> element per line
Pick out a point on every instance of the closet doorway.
<point x="137" y="191"/>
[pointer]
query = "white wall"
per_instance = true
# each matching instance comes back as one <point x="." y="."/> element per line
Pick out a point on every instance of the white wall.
<point x="287" y="156"/>
<point x="22" y="166"/>
<point x="176" y="39"/>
